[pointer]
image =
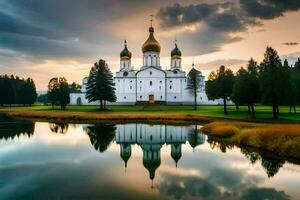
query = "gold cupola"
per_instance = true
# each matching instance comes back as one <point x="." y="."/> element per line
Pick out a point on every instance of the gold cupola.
<point x="151" y="43"/>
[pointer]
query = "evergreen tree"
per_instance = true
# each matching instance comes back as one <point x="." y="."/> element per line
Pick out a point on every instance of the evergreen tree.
<point x="100" y="85"/>
<point x="27" y="92"/>
<point x="291" y="92"/>
<point x="9" y="93"/>
<point x="274" y="80"/>
<point x="194" y="84"/>
<point x="295" y="78"/>
<point x="219" y="85"/>
<point x="14" y="90"/>
<point x="246" y="86"/>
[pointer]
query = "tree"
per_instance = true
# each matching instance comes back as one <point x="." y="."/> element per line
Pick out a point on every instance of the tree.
<point x="27" y="92"/>
<point x="295" y="78"/>
<point x="42" y="98"/>
<point x="75" y="88"/>
<point x="52" y="93"/>
<point x="64" y="93"/>
<point x="194" y="84"/>
<point x="274" y="80"/>
<point x="9" y="93"/>
<point x="14" y="90"/>
<point x="100" y="85"/>
<point x="219" y="85"/>
<point x="246" y="86"/>
<point x="59" y="92"/>
<point x="291" y="92"/>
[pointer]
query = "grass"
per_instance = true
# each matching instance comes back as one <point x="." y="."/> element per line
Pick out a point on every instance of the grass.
<point x="282" y="139"/>
<point x="264" y="113"/>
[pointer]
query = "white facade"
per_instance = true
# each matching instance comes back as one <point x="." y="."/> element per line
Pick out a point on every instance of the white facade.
<point x="151" y="83"/>
<point x="151" y="138"/>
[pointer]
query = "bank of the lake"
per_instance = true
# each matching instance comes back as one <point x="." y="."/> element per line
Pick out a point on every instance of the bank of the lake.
<point x="280" y="136"/>
<point x="154" y="112"/>
<point x="280" y="139"/>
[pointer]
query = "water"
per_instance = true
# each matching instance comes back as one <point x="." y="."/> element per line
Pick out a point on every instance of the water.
<point x="41" y="160"/>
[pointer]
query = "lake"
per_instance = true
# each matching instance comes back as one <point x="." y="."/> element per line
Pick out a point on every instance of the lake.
<point x="40" y="160"/>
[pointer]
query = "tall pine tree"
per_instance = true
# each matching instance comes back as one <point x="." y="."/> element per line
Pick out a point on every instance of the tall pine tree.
<point x="219" y="85"/>
<point x="100" y="85"/>
<point x="274" y="79"/>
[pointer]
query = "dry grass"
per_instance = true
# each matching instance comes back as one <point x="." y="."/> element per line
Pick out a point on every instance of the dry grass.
<point x="282" y="139"/>
<point x="109" y="116"/>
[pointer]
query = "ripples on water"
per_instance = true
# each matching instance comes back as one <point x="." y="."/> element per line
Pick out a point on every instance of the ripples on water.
<point x="134" y="161"/>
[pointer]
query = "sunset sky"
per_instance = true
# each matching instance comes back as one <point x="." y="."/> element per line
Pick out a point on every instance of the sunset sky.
<point x="49" y="38"/>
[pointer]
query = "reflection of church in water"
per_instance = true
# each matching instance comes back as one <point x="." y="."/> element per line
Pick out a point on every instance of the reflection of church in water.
<point x="151" y="138"/>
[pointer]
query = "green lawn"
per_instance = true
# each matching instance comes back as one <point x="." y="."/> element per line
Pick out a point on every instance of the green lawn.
<point x="262" y="112"/>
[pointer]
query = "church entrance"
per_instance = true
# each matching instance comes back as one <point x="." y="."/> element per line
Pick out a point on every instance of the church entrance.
<point x="151" y="98"/>
<point x="78" y="101"/>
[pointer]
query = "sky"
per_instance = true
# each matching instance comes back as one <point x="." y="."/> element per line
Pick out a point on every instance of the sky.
<point x="50" y="38"/>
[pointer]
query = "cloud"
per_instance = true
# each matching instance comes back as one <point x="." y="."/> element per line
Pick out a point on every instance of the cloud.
<point x="221" y="22"/>
<point x="269" y="9"/>
<point x="215" y="64"/>
<point x="290" y="43"/>
<point x="62" y="29"/>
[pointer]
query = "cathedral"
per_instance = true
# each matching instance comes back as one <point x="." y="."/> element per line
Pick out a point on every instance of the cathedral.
<point x="151" y="83"/>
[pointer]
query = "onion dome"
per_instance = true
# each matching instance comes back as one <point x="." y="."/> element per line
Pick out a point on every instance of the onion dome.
<point x="176" y="52"/>
<point x="151" y="166"/>
<point x="125" y="153"/>
<point x="125" y="53"/>
<point x="176" y="155"/>
<point x="151" y="43"/>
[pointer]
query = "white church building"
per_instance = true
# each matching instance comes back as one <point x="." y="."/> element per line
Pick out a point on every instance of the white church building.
<point x="150" y="83"/>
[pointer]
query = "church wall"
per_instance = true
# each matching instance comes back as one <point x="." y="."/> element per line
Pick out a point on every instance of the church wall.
<point x="125" y="89"/>
<point x="150" y="134"/>
<point x="126" y="133"/>
<point x="151" y="82"/>
<point x="175" y="88"/>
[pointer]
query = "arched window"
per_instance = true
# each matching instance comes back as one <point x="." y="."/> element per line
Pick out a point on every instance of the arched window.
<point x="150" y="83"/>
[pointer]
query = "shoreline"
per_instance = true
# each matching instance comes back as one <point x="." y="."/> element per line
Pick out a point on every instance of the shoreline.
<point x="227" y="131"/>
<point x="124" y="117"/>
<point x="279" y="139"/>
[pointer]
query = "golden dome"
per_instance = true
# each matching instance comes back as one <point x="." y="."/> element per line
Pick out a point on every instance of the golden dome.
<point x="151" y="43"/>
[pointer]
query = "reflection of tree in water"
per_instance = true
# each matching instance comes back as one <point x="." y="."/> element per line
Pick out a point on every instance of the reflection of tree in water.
<point x="11" y="128"/>
<point x="101" y="135"/>
<point x="59" y="128"/>
<point x="219" y="145"/>
<point x="195" y="138"/>
<point x="271" y="164"/>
